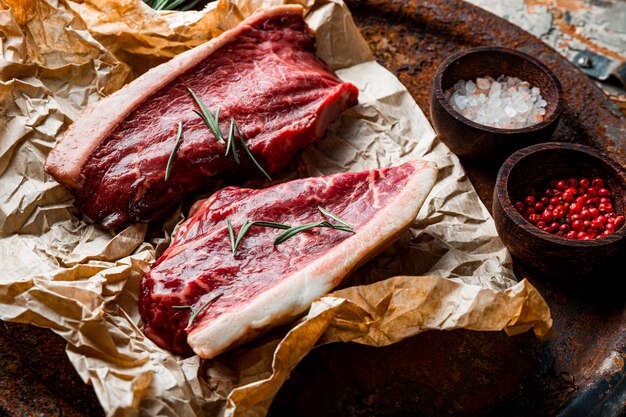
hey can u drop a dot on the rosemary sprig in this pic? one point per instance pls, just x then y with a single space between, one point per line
181 5
247 225
245 148
292 231
212 123
295 230
231 140
179 134
231 234
194 313
205 114
332 216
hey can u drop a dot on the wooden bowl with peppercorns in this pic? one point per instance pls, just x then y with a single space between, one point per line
463 130
559 208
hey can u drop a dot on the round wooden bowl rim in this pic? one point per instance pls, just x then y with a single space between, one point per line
509 210
440 97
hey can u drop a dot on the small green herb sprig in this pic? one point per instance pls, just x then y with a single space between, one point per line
181 5
194 313
179 134
212 121
289 232
234 134
234 243
292 231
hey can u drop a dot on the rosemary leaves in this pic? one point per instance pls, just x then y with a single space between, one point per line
168 168
290 231
194 313
212 122
181 5
247 150
246 226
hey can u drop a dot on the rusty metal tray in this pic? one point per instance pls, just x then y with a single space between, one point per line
579 371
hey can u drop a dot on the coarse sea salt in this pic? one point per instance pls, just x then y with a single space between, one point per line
506 103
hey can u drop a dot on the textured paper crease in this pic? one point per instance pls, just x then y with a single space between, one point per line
58 270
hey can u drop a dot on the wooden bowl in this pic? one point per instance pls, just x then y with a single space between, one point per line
471 140
551 254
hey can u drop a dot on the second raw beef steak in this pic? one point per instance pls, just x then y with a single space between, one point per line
222 281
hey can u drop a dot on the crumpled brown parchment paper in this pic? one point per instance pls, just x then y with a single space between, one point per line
80 280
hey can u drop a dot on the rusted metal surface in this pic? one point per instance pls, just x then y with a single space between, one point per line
571 26
578 371
412 39
37 379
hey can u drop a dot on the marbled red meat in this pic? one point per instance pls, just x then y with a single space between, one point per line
263 73
263 284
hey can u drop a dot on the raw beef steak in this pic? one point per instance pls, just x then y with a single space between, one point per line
263 73
239 296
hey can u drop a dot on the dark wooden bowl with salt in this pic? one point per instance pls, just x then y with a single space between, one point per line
551 254
475 141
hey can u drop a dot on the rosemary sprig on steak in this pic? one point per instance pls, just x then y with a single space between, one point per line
290 231
194 313
230 144
179 134
212 122
245 148
335 218
231 235
205 114
247 225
